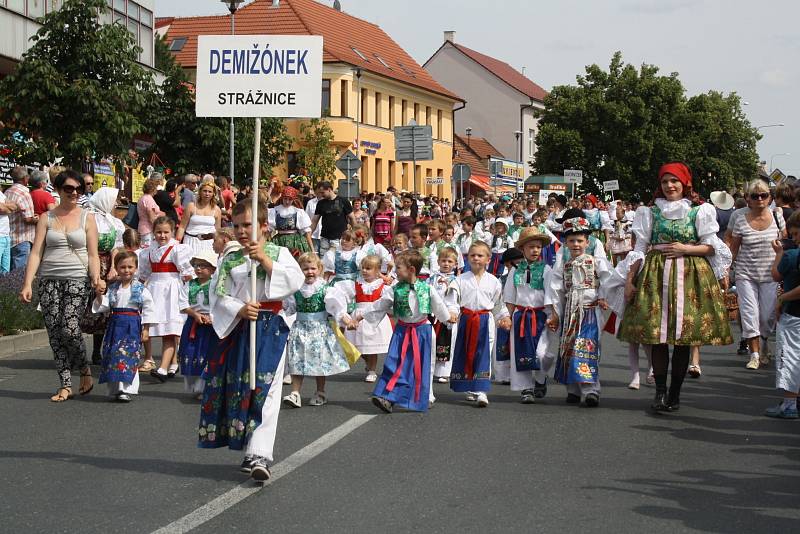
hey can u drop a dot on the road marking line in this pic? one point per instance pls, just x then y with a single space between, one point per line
244 490
3 378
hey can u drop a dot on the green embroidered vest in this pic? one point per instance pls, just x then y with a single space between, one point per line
313 303
679 230
195 288
402 308
536 271
106 242
236 258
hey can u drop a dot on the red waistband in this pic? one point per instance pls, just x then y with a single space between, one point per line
125 313
274 306
530 308
534 324
467 311
413 325
166 267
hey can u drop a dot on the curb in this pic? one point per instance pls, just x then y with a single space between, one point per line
35 339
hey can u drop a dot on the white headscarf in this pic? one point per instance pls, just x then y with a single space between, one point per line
104 199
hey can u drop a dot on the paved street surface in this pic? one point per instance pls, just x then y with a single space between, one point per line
718 465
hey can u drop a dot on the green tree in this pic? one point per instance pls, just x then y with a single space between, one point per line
624 123
79 91
187 143
317 154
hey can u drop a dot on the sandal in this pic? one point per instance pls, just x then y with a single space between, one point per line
60 397
147 366
84 374
694 371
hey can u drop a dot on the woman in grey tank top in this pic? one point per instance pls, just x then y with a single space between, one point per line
64 254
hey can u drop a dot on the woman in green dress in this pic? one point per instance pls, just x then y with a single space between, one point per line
291 224
672 293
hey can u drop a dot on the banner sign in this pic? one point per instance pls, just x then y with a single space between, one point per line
259 76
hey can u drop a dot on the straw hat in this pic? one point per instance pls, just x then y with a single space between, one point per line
722 199
531 234
207 256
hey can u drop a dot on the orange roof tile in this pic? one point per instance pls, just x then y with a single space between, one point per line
504 71
476 154
163 21
340 32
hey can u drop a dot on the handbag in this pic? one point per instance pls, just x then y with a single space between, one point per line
351 353
131 218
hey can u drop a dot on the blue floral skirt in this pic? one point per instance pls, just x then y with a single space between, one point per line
312 348
230 411
197 340
578 363
478 378
121 346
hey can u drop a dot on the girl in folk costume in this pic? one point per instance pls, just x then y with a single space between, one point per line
548 252
407 376
342 264
353 303
131 307
198 339
576 293
440 282
312 348
675 299
620 239
479 296
291 224
368 247
231 413
469 236
201 219
165 264
500 242
599 220
524 294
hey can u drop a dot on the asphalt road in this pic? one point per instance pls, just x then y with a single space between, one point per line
718 465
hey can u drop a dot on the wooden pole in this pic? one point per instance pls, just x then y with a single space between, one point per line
254 239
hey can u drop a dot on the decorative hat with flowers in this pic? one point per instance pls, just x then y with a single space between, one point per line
576 225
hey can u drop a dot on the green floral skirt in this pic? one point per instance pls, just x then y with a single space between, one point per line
296 243
651 319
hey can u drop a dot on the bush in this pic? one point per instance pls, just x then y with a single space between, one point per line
15 316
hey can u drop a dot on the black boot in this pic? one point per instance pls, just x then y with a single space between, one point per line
660 401
674 400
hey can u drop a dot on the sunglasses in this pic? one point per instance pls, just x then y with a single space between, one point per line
88 183
69 189
759 196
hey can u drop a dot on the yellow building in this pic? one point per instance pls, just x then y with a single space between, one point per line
370 85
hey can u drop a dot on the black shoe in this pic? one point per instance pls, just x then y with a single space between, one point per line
171 373
540 390
573 399
592 400
247 464
673 402
259 470
528 397
742 351
158 376
660 403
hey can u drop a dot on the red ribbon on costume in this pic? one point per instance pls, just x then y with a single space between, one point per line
164 267
125 313
274 306
473 326
611 324
193 330
534 324
410 336
373 297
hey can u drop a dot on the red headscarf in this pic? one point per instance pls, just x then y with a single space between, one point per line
289 192
681 172
591 198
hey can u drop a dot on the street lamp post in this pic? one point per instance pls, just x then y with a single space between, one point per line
770 126
772 158
233 6
518 136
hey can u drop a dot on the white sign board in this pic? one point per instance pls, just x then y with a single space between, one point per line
434 181
611 185
572 176
544 194
520 187
259 76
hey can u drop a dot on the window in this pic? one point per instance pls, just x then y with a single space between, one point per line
16 5
391 112
133 11
133 27
405 69
531 142
359 53
36 8
364 172
404 112
146 42
326 98
393 175
344 97
416 113
363 115
177 44
406 179
383 62
146 17
379 185
438 125
119 5
427 114
378 105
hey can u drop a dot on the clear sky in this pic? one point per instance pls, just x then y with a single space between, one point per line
751 48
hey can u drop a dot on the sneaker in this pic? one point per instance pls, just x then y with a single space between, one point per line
482 400
592 400
779 412
742 350
293 399
319 399
528 397
442 379
383 404
123 397
754 362
371 377
540 390
259 470
471 397
287 380
247 464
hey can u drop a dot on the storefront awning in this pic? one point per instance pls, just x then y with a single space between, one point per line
480 181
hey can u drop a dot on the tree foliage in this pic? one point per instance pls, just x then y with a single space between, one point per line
78 91
317 154
187 143
623 124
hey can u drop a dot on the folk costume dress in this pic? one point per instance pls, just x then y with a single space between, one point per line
291 226
525 290
599 222
440 282
407 376
163 268
499 244
130 308
312 348
371 248
342 263
350 299
197 340
574 289
231 414
480 304
678 301
200 232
